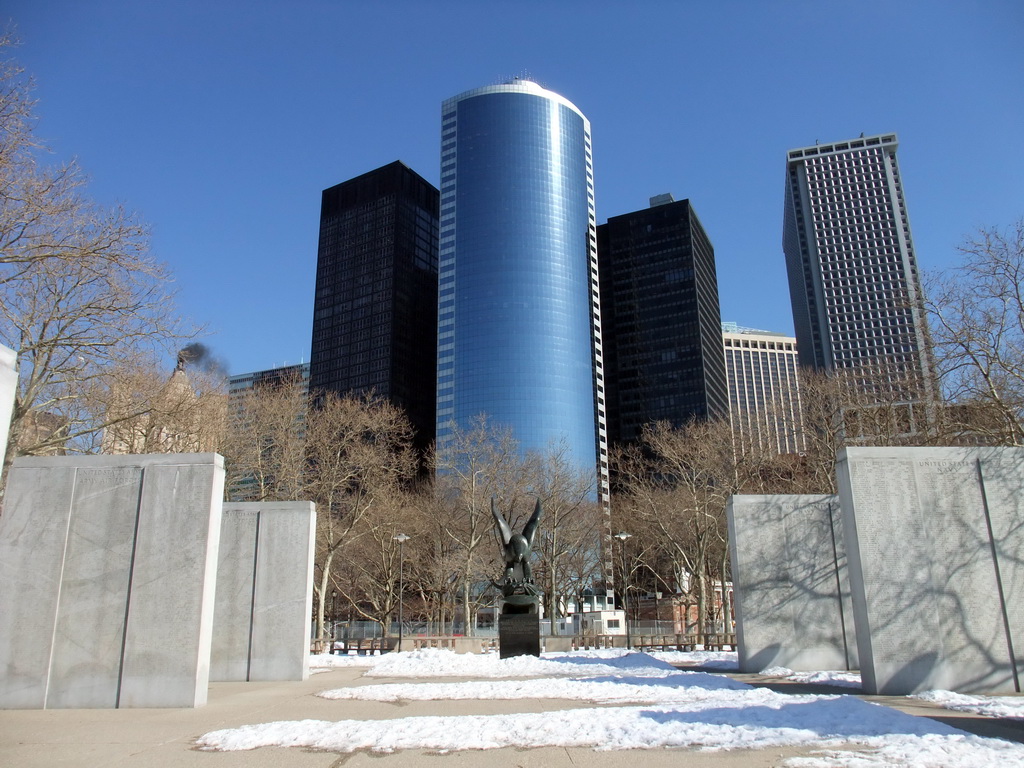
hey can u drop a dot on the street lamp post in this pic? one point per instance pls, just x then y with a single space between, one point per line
622 536
401 538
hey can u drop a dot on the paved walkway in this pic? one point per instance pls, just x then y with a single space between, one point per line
164 738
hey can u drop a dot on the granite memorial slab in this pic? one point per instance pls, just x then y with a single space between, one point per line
8 390
791 585
264 592
935 537
108 565
518 634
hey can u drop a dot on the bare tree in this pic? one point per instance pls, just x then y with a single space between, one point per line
480 463
358 451
868 405
433 558
674 485
81 299
821 400
369 581
147 411
74 323
44 214
265 449
16 107
570 529
678 481
352 456
977 318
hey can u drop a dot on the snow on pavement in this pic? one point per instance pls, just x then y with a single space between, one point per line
726 661
430 662
670 688
991 706
670 709
834 677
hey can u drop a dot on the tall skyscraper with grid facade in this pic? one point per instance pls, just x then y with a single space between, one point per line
764 387
375 307
518 315
853 275
662 324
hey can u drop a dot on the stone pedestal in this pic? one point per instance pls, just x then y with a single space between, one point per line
935 537
108 567
519 634
468 645
264 592
791 585
8 388
554 644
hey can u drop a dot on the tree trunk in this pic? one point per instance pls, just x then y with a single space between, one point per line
552 606
325 579
467 627
702 602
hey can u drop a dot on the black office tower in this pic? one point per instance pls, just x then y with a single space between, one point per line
660 317
375 309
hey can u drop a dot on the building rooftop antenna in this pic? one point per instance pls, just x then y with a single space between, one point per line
523 74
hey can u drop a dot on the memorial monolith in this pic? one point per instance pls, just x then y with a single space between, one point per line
108 566
8 389
934 537
791 585
264 592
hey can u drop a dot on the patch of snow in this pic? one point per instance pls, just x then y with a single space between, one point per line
668 688
727 661
672 708
777 672
775 720
326 661
992 706
832 677
433 662
927 751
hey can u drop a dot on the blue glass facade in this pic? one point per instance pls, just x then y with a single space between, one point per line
518 321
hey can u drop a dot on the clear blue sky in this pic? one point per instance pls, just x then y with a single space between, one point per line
220 122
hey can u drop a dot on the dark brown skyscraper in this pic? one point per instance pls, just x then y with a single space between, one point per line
662 325
375 309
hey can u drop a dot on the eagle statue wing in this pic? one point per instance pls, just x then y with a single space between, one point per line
506 532
531 526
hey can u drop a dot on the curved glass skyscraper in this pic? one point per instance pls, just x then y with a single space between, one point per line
518 315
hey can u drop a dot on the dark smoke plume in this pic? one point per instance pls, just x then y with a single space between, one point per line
200 357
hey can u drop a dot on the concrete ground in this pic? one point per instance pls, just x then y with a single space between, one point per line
165 738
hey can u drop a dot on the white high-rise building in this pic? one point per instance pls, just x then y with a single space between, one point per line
761 368
853 275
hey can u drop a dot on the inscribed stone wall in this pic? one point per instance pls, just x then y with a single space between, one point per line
935 537
108 568
8 388
790 581
264 592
